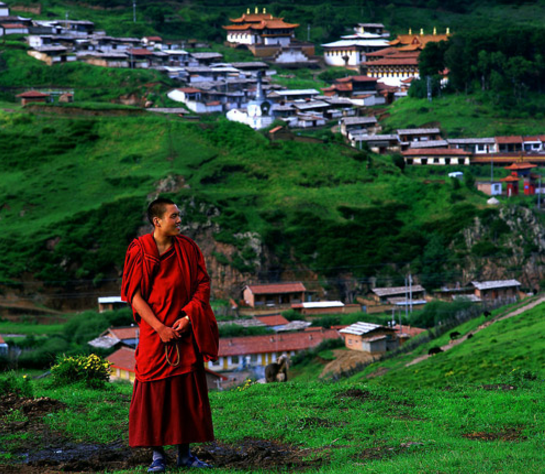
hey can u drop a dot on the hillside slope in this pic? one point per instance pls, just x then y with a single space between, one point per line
73 190
508 347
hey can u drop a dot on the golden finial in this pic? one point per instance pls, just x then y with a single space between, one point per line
256 10
264 11
447 31
248 11
435 31
422 31
410 31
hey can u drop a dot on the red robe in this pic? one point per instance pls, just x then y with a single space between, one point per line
179 283
170 405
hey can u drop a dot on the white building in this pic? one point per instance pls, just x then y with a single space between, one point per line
351 52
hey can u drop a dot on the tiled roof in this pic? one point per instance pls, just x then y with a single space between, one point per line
140 52
189 90
275 288
32 94
357 79
520 166
123 358
510 139
436 152
14 26
509 179
407 61
276 343
276 320
412 331
125 333
466 141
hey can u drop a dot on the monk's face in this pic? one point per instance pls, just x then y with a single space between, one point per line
170 223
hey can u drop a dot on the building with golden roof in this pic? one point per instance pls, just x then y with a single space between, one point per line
400 60
267 36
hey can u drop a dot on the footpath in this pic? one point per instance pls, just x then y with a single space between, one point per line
506 315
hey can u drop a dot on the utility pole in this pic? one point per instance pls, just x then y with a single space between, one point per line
406 301
134 7
429 88
410 294
308 36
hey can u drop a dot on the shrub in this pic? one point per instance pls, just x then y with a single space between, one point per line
90 370
12 383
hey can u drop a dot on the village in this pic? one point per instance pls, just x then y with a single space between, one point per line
382 72
245 92
264 305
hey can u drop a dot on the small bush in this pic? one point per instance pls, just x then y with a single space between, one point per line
12 383
90 370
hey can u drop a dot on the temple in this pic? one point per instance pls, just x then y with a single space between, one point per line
400 61
268 37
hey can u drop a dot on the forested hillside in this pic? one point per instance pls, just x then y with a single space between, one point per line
76 179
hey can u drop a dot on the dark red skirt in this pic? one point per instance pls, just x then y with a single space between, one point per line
170 411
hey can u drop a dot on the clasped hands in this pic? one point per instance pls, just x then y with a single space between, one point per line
177 331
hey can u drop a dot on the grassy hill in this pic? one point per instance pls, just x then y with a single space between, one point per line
73 189
488 416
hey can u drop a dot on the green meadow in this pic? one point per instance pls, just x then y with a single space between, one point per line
487 416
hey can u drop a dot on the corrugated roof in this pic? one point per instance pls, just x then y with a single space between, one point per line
358 120
360 328
275 343
429 144
275 288
397 290
417 131
436 152
488 285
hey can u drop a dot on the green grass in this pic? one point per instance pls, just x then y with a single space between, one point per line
458 115
509 348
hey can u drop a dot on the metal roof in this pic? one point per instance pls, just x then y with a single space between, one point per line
360 328
397 290
487 285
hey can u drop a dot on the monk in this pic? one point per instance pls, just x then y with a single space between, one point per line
166 283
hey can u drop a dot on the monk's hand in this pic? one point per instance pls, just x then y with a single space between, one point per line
182 325
168 334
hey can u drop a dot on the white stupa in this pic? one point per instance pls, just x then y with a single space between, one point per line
257 115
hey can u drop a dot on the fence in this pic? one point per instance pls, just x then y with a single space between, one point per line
433 333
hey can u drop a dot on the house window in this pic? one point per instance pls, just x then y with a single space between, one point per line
216 363
253 358
235 360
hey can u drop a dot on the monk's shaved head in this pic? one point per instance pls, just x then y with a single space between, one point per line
157 208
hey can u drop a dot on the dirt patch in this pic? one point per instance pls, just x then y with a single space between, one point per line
49 452
509 434
260 454
346 361
314 422
358 394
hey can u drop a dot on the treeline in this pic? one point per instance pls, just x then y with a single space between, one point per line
506 65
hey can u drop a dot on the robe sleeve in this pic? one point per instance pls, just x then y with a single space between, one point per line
203 322
133 275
